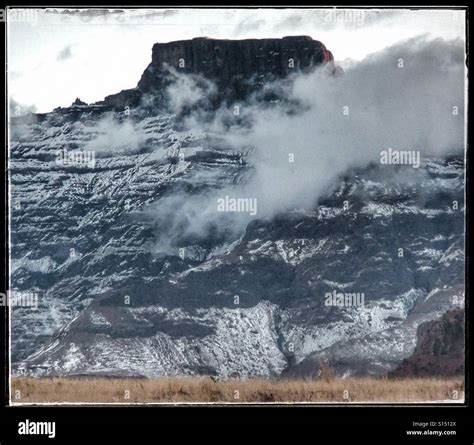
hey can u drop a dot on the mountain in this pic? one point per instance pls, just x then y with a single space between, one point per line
114 301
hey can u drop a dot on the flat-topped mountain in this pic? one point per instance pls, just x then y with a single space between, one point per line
237 67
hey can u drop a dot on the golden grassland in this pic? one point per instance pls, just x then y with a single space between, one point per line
204 390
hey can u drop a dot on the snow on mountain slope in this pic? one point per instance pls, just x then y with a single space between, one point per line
80 240
128 288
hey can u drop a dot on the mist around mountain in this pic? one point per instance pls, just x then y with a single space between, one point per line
249 209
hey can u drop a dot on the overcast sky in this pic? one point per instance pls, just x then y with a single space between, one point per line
57 55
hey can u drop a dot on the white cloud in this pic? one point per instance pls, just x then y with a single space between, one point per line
389 106
187 90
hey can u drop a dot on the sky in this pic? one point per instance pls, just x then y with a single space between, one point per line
56 55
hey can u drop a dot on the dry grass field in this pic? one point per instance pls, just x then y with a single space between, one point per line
203 390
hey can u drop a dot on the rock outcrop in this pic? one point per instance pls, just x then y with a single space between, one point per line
78 103
238 67
439 350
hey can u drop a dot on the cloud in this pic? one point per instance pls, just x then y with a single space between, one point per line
409 108
159 14
65 53
18 109
325 19
383 16
248 25
118 16
291 21
15 75
337 18
187 90
84 13
111 137
400 98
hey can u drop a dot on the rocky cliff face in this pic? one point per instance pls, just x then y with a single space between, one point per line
109 305
439 350
237 67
